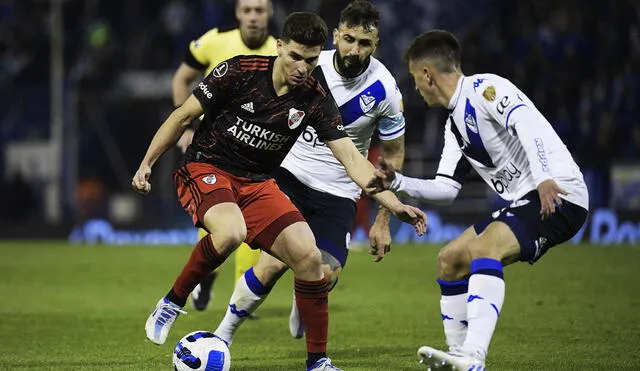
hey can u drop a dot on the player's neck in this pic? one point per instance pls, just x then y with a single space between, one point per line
448 83
280 85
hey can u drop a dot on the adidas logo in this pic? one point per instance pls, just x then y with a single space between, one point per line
248 107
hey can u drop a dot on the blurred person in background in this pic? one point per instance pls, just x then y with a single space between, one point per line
317 183
250 38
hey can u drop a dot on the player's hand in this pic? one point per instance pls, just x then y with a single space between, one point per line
413 216
549 193
383 176
380 240
185 140
140 182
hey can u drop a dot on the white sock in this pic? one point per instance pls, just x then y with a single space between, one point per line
453 308
247 296
486 295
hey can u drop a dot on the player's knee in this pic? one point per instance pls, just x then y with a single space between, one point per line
331 273
309 260
453 264
227 241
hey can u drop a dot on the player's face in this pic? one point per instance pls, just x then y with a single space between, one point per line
354 46
298 61
253 16
424 81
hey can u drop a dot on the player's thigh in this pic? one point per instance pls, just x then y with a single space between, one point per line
533 235
267 212
206 195
497 241
295 246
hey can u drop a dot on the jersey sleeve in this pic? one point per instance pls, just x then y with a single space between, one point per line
216 86
453 164
327 120
516 113
391 124
197 56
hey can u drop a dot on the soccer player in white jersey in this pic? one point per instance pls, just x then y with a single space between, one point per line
494 128
369 101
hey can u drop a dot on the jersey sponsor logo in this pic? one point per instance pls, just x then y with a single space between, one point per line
295 118
501 107
309 135
359 106
209 179
221 69
504 177
248 107
202 86
489 93
367 102
542 154
256 136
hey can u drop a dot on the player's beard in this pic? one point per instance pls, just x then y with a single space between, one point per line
349 66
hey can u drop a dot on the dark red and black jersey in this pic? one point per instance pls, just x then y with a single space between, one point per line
247 129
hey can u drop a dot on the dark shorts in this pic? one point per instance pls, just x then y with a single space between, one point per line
330 217
266 210
537 236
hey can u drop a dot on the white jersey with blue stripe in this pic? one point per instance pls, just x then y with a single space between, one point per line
369 102
496 128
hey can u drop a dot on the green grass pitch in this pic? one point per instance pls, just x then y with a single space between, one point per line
83 308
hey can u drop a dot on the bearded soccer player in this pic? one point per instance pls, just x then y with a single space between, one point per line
369 102
494 128
215 46
225 184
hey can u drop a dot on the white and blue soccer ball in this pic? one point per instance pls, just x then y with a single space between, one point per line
201 351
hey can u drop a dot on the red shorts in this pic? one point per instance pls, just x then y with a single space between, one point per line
266 210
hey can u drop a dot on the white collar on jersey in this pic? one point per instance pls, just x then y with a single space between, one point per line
456 94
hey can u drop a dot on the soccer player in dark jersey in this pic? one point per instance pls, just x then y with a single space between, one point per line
255 109
215 46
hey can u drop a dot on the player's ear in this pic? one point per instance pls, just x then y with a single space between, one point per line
336 35
279 45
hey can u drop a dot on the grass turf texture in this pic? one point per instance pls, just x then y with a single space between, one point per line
83 308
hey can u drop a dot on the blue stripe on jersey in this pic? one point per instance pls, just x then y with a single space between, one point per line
506 125
362 103
476 149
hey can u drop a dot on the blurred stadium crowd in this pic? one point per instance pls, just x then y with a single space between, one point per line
578 60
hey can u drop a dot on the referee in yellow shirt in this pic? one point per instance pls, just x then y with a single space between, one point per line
250 38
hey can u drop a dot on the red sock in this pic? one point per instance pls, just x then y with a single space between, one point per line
312 298
204 259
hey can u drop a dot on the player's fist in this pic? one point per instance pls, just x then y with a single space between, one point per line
382 177
140 182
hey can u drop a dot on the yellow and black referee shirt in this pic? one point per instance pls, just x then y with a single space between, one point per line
214 47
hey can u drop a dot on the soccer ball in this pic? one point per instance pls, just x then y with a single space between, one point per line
201 351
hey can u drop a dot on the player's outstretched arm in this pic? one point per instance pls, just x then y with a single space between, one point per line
359 169
438 191
165 137
379 233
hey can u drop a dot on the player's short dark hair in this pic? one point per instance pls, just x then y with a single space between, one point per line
440 47
305 28
360 13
